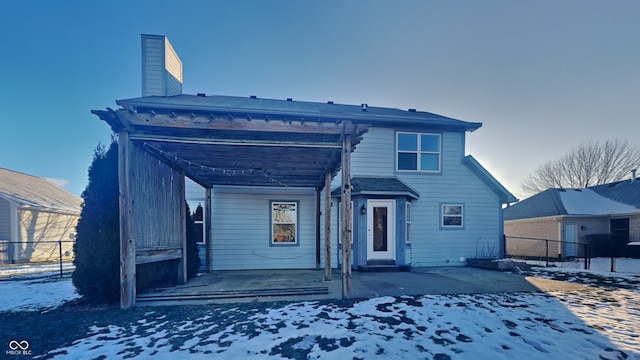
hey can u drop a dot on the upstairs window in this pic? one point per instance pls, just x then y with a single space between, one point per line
418 152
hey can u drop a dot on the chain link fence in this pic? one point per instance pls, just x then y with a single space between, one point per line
548 252
35 257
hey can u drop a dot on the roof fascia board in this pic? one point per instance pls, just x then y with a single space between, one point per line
486 177
365 117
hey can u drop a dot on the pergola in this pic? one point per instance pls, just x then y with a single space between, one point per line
221 140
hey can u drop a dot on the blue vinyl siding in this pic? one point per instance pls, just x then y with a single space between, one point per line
431 245
241 229
241 215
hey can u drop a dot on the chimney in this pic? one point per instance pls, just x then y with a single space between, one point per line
161 67
633 175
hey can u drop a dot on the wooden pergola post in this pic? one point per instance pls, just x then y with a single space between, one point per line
347 215
327 226
207 229
318 230
182 266
127 240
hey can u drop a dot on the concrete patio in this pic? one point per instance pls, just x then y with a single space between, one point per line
302 285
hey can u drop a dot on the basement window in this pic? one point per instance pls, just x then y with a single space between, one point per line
284 222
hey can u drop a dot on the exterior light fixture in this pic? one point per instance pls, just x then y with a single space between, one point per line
363 209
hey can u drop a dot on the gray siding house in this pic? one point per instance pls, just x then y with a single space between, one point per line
34 215
417 199
268 168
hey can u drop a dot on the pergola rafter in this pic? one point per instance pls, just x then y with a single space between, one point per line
158 145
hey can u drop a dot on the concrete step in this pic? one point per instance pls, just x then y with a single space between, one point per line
231 294
384 268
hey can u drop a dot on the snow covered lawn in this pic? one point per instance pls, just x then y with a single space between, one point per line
600 323
35 294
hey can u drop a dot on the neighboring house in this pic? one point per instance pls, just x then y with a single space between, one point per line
34 215
571 216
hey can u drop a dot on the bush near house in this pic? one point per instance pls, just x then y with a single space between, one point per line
97 247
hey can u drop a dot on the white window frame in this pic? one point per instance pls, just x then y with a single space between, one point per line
419 152
443 215
273 241
407 216
204 239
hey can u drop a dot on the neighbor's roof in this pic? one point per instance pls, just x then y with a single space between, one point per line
311 111
30 191
625 191
390 186
576 202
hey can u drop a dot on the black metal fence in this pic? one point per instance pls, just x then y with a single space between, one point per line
28 257
546 250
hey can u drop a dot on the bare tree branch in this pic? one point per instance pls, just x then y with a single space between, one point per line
589 164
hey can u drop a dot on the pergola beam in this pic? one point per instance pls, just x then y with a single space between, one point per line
212 121
206 141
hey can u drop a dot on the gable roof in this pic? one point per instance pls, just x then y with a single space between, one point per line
482 173
576 202
295 110
34 192
229 140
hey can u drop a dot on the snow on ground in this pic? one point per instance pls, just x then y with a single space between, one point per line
599 323
600 266
498 326
34 270
35 294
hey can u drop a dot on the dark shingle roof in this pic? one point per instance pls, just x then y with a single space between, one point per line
624 191
546 203
302 109
30 191
580 202
378 186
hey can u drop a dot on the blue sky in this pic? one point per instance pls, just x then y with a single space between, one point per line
542 76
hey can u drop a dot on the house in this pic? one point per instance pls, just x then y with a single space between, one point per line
572 216
34 215
268 167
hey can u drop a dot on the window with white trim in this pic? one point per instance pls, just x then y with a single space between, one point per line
418 152
452 216
408 223
198 221
284 222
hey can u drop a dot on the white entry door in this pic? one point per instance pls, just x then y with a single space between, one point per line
571 249
381 230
